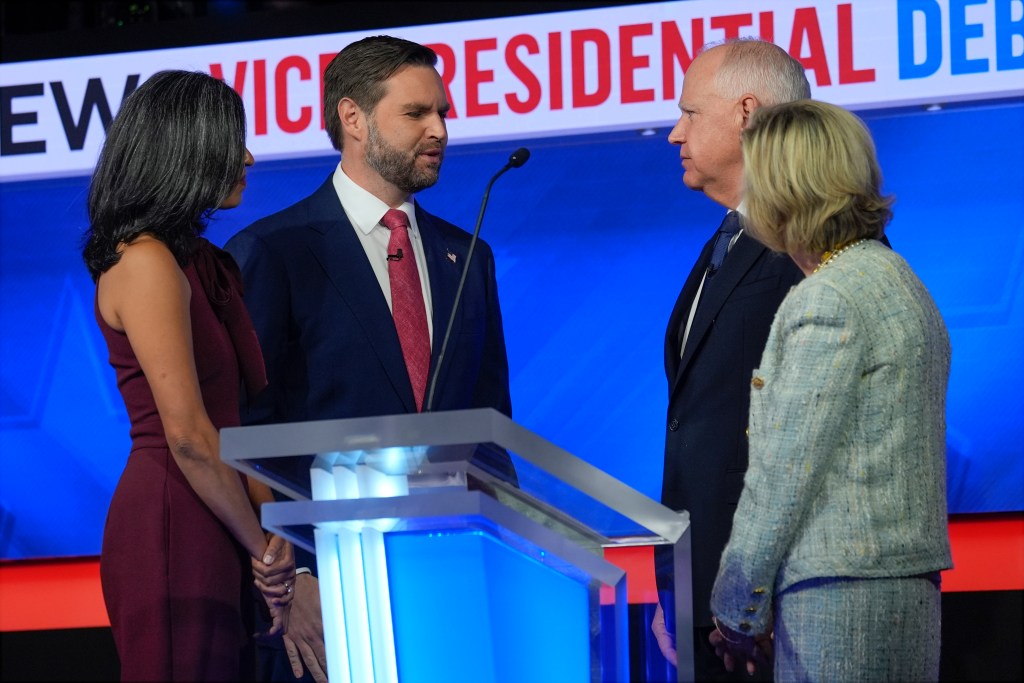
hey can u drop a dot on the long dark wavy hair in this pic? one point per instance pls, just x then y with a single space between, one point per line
173 154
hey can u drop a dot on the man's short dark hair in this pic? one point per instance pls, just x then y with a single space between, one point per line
359 72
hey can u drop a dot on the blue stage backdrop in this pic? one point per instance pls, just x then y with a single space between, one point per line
593 239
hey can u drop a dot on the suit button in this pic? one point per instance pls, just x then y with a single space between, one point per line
745 626
757 382
673 425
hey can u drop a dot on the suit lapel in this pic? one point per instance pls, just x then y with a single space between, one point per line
338 250
444 273
741 257
677 320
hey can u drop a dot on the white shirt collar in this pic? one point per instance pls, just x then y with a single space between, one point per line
364 209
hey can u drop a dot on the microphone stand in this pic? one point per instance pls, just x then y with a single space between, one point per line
517 159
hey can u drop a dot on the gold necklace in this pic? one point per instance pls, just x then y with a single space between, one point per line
830 256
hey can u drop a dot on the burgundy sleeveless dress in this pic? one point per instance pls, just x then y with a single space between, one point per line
177 586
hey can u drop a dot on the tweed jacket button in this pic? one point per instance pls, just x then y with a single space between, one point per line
745 626
673 425
759 591
757 382
751 610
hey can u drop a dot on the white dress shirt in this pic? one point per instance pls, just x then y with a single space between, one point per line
364 212
700 290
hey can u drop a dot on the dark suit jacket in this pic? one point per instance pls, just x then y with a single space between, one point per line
709 395
328 337
326 331
327 334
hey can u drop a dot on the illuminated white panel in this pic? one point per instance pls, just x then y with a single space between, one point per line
331 605
378 600
356 612
322 485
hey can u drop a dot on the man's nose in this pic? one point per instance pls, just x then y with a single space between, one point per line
678 134
438 128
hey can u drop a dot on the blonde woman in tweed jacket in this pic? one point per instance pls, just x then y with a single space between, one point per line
840 532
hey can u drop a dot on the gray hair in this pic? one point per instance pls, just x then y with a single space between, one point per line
760 68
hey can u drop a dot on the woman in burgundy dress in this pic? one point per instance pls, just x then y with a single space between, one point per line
182 546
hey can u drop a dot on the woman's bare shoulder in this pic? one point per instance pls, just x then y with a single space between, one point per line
146 270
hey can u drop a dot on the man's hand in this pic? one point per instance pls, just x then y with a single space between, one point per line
279 616
666 640
735 648
304 641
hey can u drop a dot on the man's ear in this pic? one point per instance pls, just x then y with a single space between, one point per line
747 105
353 120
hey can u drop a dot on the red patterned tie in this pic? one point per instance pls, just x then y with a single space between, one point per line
407 303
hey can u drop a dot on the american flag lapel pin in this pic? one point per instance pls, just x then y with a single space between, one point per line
451 257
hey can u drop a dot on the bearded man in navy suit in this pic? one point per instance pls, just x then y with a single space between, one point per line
317 280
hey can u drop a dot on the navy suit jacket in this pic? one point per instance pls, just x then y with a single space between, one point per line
326 330
709 395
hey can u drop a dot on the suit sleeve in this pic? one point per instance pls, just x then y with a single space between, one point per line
267 298
809 374
492 390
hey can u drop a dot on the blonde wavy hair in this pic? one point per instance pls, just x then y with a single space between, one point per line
812 181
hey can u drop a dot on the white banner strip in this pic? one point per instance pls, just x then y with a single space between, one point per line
540 75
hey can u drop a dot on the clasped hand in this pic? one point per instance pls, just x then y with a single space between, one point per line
274 576
734 647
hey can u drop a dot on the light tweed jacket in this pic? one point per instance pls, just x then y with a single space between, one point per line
847 472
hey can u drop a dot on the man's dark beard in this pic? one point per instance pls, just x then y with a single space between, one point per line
395 166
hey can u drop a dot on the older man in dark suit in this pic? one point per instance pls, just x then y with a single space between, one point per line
720 323
351 289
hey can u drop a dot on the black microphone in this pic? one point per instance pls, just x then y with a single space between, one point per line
517 159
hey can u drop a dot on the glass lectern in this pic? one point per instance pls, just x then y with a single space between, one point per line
460 546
